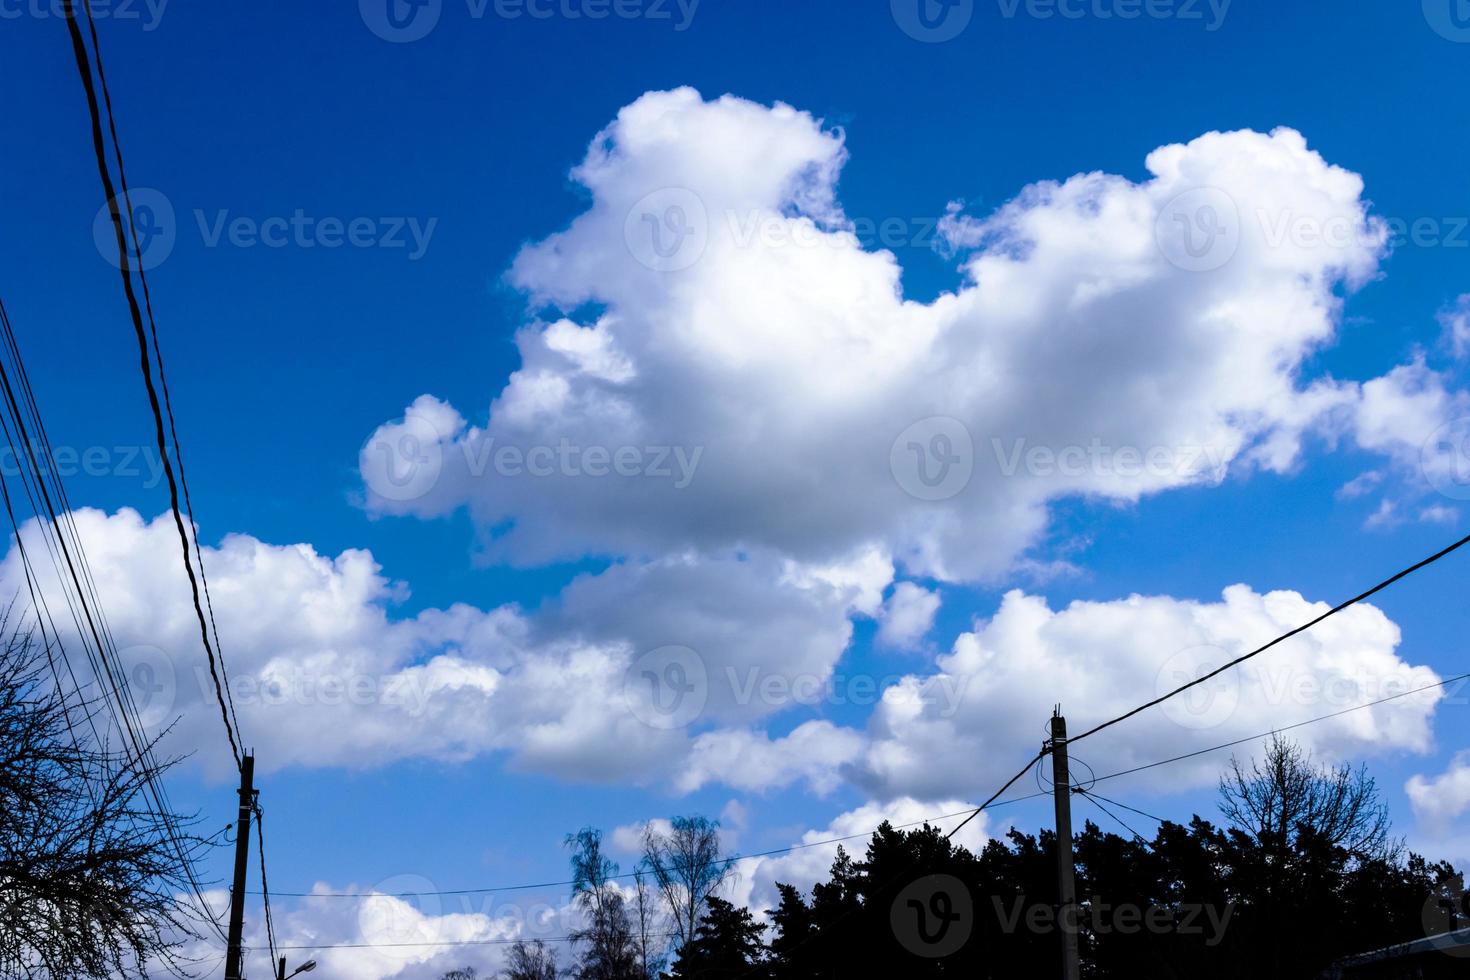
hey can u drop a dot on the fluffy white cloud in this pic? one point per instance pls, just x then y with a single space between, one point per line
746 621
1102 658
814 752
1440 800
1398 413
907 615
726 393
725 389
323 673
1440 803
754 379
629 837
386 933
754 880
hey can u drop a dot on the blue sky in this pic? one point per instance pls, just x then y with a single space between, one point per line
284 361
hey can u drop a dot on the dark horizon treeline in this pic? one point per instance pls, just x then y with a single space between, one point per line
1301 872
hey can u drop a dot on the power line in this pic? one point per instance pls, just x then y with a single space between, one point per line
122 177
1125 806
265 891
79 50
69 559
970 815
774 852
1009 783
1119 819
990 804
1282 638
1287 728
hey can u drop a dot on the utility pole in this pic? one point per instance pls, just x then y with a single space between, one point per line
281 969
1067 911
233 957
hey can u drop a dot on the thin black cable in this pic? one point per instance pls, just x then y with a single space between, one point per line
1282 638
163 450
559 884
1042 780
79 50
265 891
104 659
1286 728
44 440
1141 838
1009 783
1125 806
122 179
37 601
62 526
927 820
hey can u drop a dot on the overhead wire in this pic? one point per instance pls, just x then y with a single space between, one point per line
122 179
265 891
1082 791
79 50
1361 597
58 532
1095 802
992 804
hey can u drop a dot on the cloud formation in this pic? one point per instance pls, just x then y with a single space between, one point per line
1100 659
717 362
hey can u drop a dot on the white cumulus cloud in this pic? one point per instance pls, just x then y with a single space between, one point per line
753 377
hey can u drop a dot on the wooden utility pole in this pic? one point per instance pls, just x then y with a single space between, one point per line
233 956
1067 910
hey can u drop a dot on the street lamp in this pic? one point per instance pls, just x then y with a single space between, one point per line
306 967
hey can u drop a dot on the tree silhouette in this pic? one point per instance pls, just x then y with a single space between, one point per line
686 866
1301 872
90 871
611 950
727 944
530 961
